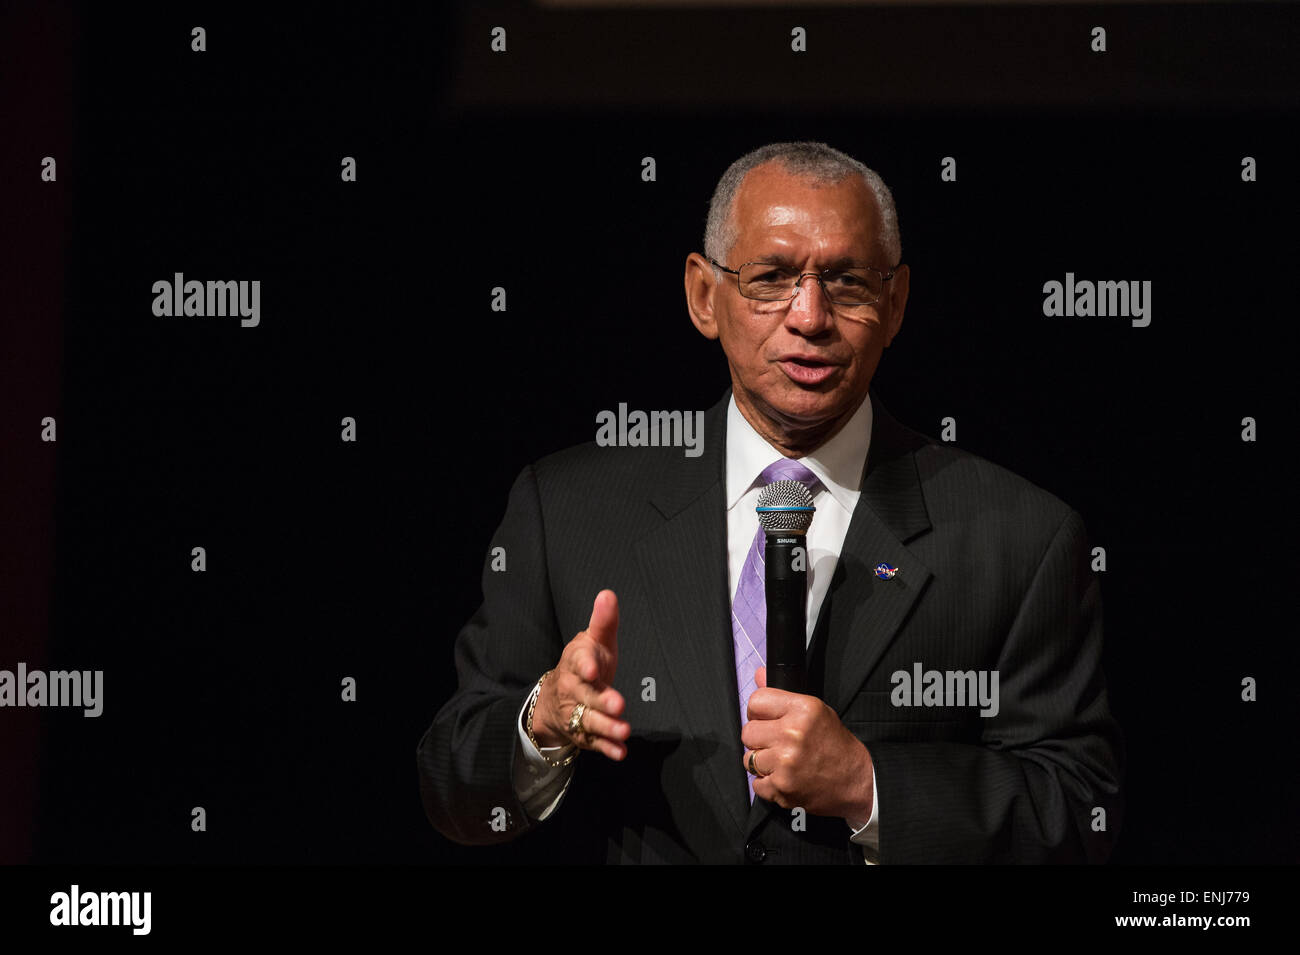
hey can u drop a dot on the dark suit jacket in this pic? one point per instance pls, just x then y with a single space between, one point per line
994 574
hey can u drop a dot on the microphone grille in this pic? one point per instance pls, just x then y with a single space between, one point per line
795 501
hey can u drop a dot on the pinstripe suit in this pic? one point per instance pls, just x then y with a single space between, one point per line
993 574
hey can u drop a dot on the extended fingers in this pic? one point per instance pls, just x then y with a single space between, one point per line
603 626
587 661
579 681
605 734
599 727
596 723
592 729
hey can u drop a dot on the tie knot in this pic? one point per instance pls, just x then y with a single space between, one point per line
788 469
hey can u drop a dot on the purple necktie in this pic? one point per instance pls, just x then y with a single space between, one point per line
749 609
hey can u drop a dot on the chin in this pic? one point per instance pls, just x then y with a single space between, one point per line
807 406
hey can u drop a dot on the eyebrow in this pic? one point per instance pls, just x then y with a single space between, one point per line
843 262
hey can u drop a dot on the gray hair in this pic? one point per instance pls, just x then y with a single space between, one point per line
817 162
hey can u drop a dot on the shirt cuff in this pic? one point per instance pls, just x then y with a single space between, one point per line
539 785
868 836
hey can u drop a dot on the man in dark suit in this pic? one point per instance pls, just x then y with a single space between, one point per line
925 562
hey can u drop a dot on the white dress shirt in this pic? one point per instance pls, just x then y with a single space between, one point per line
839 464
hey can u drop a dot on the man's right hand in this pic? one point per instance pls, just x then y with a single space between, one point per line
583 675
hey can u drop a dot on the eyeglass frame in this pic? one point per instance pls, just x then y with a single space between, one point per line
798 282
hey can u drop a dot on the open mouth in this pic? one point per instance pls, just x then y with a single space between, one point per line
806 371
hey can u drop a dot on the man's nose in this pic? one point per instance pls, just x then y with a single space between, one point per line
809 310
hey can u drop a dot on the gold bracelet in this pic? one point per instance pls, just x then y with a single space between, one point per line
532 705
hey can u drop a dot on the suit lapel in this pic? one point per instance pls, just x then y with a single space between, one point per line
861 613
685 559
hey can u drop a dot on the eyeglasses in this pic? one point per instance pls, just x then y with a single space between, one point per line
768 282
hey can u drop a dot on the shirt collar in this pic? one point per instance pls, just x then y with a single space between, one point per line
839 463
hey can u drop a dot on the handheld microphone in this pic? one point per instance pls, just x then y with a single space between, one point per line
785 510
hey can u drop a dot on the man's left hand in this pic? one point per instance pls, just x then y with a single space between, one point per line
806 757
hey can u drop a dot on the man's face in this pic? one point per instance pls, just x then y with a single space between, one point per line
802 367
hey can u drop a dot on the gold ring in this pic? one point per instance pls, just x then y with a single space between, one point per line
753 767
575 720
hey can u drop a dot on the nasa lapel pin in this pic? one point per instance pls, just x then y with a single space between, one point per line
885 572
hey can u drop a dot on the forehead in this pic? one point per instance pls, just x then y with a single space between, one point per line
779 212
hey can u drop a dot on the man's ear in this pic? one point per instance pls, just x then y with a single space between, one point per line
700 287
898 289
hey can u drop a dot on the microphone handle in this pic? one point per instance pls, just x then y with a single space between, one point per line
785 581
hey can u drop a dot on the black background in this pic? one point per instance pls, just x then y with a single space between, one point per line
523 170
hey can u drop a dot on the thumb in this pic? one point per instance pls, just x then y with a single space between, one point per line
603 627
760 676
